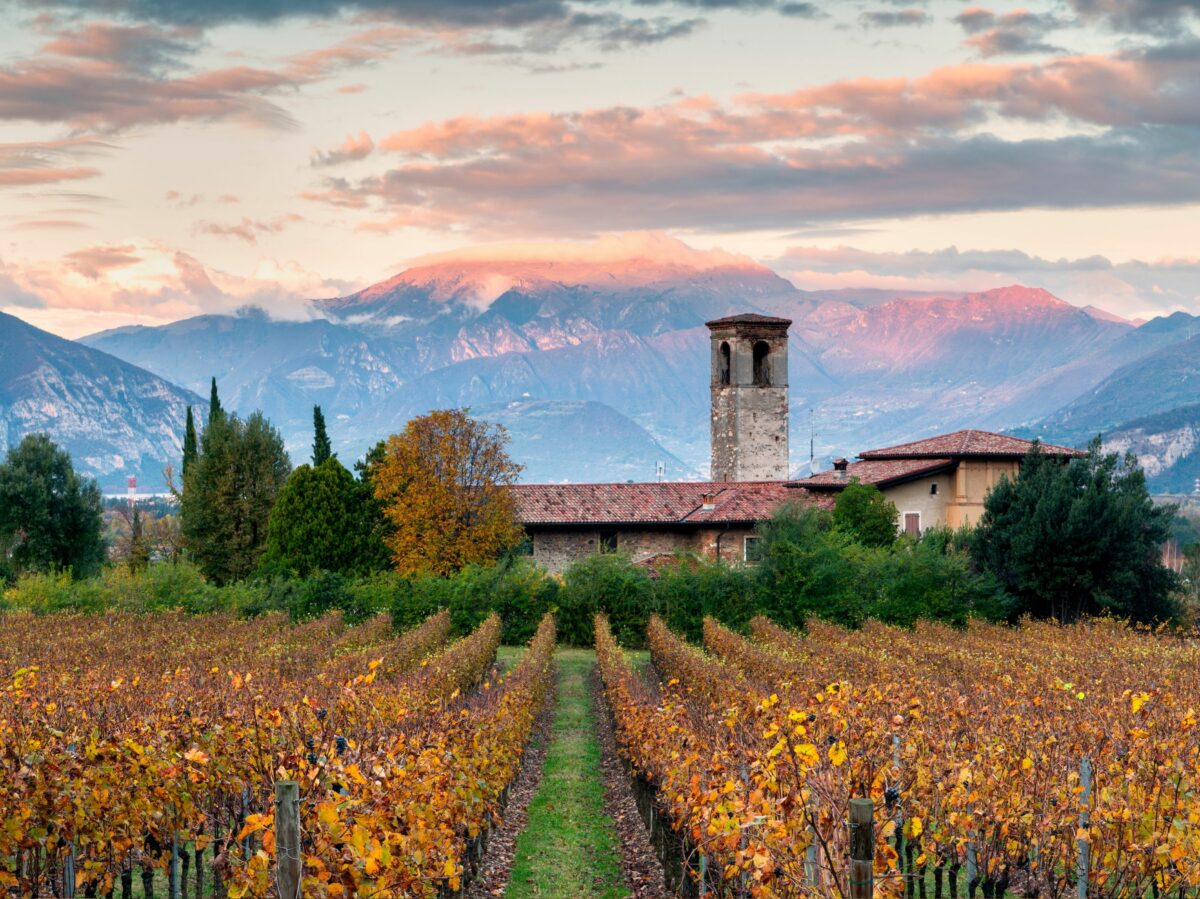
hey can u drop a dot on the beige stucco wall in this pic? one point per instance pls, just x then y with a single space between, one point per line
972 482
917 496
960 495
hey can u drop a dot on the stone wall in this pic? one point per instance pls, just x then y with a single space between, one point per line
749 427
555 550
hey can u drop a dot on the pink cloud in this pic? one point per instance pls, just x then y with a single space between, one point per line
46 162
249 229
352 149
853 148
106 78
95 262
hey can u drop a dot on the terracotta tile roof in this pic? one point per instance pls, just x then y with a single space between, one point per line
749 318
966 443
674 502
880 472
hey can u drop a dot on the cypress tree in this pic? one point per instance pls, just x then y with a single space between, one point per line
189 442
321 448
214 403
231 489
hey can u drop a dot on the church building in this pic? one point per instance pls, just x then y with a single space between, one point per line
939 481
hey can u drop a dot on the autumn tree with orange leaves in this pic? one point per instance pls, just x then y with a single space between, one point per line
444 484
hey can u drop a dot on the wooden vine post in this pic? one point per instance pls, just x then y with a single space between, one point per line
1084 841
289 862
862 848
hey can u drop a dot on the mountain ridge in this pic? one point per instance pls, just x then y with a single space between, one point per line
116 419
866 366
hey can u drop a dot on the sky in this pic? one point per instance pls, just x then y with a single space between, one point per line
166 158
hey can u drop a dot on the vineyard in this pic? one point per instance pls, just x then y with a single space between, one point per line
145 755
151 745
1047 761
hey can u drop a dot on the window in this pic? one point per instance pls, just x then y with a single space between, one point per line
723 364
933 489
752 549
912 524
608 541
762 367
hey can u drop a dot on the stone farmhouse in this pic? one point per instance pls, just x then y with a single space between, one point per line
939 481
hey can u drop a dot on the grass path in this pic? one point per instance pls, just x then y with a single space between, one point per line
569 847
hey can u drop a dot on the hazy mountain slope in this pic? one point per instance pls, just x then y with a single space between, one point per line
1167 446
1049 392
280 367
1160 381
114 418
557 440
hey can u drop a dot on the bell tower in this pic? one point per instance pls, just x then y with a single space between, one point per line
749 398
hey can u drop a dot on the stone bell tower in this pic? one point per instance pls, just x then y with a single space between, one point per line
749 398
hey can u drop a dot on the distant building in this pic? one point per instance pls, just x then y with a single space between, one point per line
939 481
713 519
749 387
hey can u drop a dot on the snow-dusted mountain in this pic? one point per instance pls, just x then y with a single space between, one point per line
613 333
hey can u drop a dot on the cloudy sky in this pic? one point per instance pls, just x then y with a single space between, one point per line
160 158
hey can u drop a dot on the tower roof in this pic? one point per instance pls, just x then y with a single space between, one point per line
750 318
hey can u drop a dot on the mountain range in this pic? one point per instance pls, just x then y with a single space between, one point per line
117 420
598 363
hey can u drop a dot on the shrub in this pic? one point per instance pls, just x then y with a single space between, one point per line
605 583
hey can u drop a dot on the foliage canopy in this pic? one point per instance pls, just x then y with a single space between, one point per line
444 484
49 516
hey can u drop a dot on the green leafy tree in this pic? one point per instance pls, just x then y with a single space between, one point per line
931 579
1066 540
808 568
320 523
321 447
862 512
190 446
229 492
50 517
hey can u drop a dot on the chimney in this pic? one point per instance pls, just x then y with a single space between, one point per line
708 501
840 467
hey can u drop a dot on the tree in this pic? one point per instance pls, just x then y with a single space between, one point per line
1066 540
808 567
190 447
214 403
229 492
50 518
372 507
319 523
444 484
862 512
321 448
